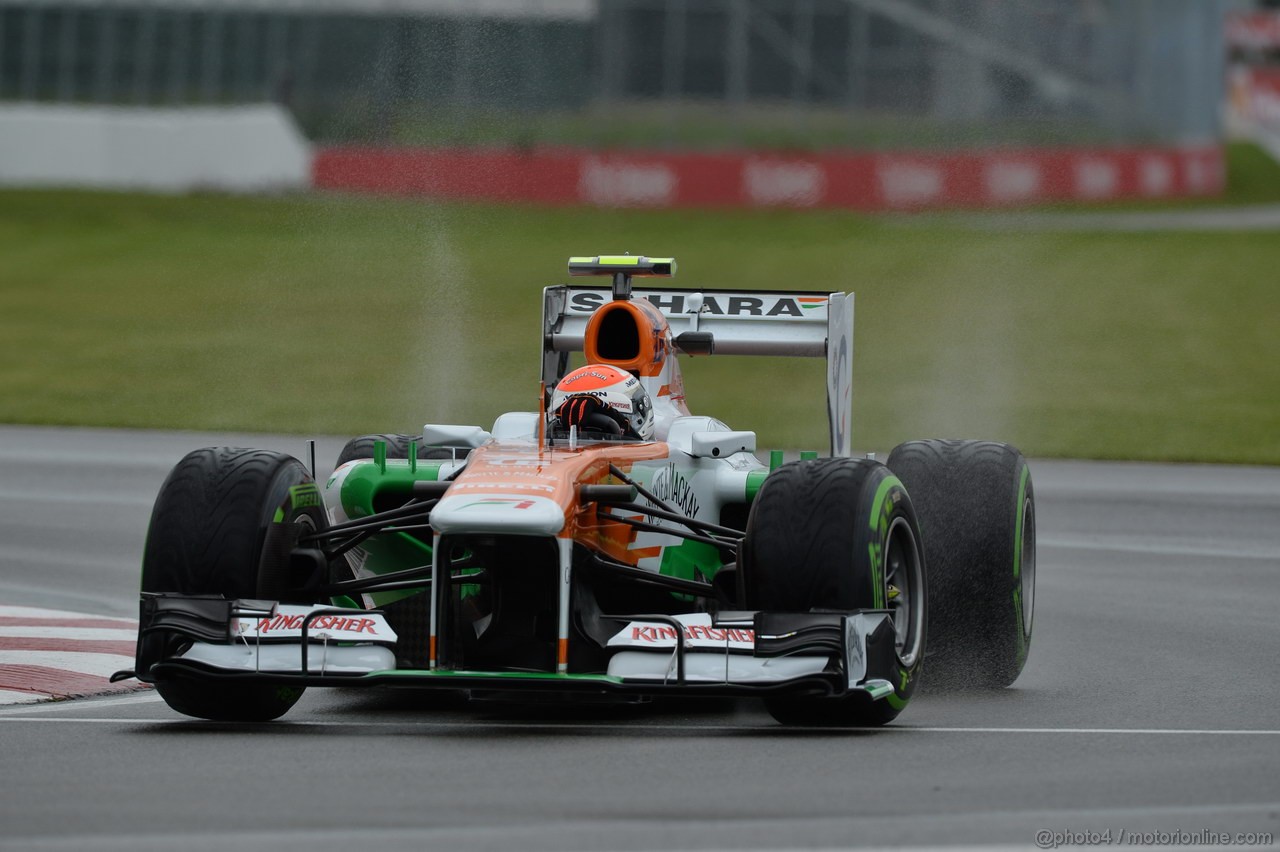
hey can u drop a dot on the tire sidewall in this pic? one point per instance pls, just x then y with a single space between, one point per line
1024 534
292 508
887 502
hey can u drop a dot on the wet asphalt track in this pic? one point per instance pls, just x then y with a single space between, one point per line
1151 702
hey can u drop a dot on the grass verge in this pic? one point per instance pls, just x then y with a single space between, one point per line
343 315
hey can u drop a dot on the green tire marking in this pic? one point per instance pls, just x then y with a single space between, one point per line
1022 639
879 526
304 495
1017 540
1017 561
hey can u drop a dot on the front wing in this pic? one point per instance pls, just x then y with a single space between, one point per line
821 653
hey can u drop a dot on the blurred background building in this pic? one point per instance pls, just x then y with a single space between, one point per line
1015 101
794 74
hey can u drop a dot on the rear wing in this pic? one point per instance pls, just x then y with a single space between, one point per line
741 322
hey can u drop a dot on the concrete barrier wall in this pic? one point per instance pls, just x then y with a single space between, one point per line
257 148
888 181
234 149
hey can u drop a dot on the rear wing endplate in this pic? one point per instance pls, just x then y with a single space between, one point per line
741 322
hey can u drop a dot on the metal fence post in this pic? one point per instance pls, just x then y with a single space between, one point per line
179 55
802 73
242 36
67 54
105 66
277 78
736 57
855 56
383 82
531 87
611 40
31 36
211 65
3 10
309 63
673 52
464 48
144 48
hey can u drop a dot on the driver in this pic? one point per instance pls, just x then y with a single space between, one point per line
605 399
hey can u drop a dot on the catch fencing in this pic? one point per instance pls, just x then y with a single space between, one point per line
673 74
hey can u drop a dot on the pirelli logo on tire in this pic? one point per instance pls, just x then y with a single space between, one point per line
304 496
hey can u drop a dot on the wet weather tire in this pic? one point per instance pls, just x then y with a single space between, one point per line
839 534
976 507
224 523
397 448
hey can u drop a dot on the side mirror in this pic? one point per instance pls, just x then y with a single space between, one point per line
516 424
696 343
440 435
717 445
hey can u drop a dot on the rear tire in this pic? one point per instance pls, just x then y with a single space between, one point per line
397 448
977 512
224 523
839 533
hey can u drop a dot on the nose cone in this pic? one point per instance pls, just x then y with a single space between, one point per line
513 514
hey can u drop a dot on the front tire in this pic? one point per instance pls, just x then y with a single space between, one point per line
841 534
977 511
224 523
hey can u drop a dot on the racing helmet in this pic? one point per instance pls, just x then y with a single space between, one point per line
604 398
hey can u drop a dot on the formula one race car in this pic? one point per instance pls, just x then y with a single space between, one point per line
610 543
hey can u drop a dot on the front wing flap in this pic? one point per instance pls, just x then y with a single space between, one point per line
830 653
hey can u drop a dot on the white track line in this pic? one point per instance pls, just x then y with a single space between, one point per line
36 612
15 696
72 633
82 633
1159 549
590 726
1133 731
98 499
85 703
81 662
488 837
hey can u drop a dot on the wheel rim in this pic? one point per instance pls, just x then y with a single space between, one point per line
283 579
905 574
1027 571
